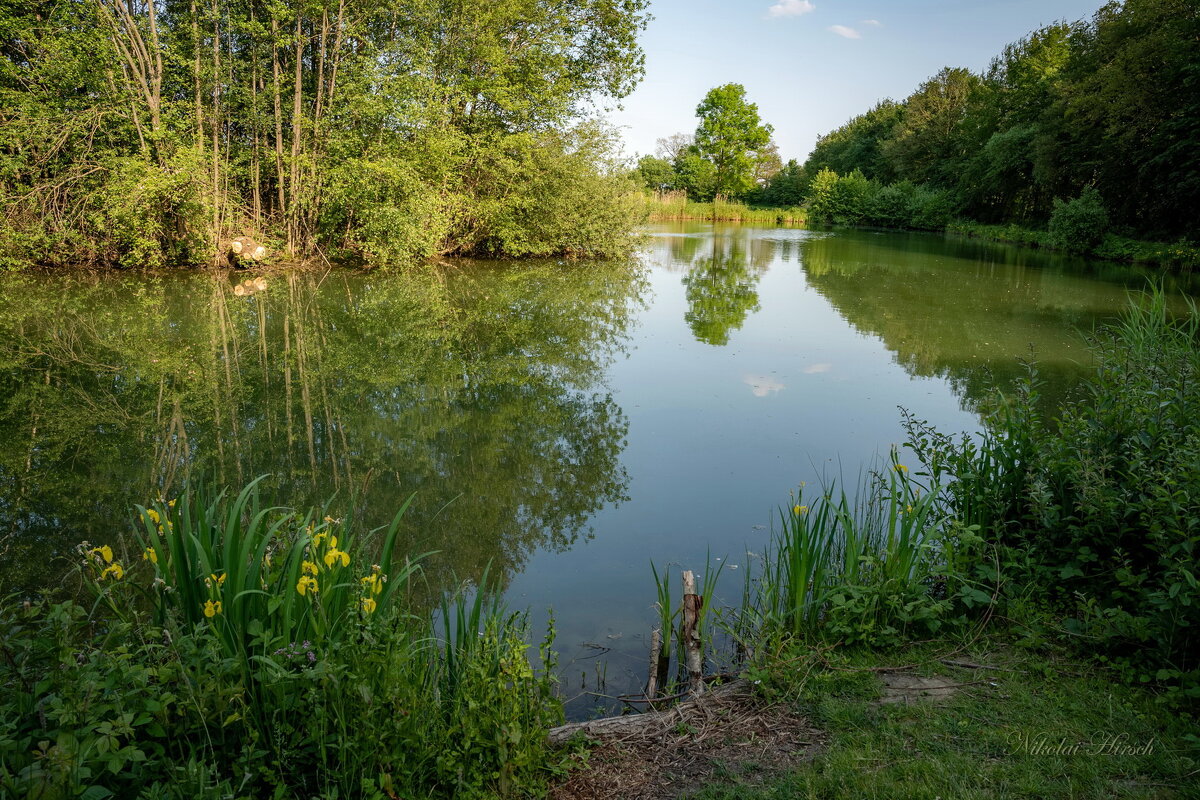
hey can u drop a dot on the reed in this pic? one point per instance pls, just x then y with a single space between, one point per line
675 206
857 569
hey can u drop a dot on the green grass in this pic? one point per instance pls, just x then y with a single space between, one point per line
674 206
1000 736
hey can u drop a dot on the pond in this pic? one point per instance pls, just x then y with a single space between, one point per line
565 423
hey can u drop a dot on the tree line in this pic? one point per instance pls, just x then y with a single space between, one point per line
144 132
1086 126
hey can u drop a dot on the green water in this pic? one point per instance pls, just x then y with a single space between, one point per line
564 422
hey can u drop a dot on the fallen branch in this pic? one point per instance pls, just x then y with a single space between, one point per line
641 723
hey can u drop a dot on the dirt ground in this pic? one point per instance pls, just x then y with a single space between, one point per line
731 735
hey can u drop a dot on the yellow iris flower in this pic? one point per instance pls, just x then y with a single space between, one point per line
104 552
369 605
212 608
335 555
307 584
150 555
115 570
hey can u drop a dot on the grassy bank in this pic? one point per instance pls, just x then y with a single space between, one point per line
674 206
1179 255
1005 717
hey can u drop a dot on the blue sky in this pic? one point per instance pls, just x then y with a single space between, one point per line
810 65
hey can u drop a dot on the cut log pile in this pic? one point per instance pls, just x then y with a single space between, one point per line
244 249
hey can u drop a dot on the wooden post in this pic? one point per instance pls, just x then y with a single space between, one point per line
655 647
693 648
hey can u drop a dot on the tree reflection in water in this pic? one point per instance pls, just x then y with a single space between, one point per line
480 390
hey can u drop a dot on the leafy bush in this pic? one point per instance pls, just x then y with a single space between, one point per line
1102 516
382 210
146 215
1079 225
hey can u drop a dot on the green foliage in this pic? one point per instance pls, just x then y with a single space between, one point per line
146 215
675 206
550 180
785 188
656 174
385 211
146 135
854 200
730 136
859 144
1079 225
696 175
1100 515
876 571
252 651
823 196
1107 104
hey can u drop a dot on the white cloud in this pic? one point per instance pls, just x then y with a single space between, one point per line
762 385
790 8
873 23
843 31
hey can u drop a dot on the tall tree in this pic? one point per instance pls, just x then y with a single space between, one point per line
731 136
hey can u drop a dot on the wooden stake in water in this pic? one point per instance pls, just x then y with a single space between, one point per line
655 649
693 648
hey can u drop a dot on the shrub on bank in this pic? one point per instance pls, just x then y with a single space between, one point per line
1101 516
254 652
1079 225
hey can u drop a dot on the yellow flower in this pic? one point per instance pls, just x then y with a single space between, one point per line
218 579
901 468
317 539
308 568
104 552
373 583
334 555
212 608
908 510
172 503
153 515
114 569
369 605
799 510
150 555
307 584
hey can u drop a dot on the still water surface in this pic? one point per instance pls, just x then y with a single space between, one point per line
566 423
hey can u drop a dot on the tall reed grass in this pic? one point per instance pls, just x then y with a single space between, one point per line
867 570
675 206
